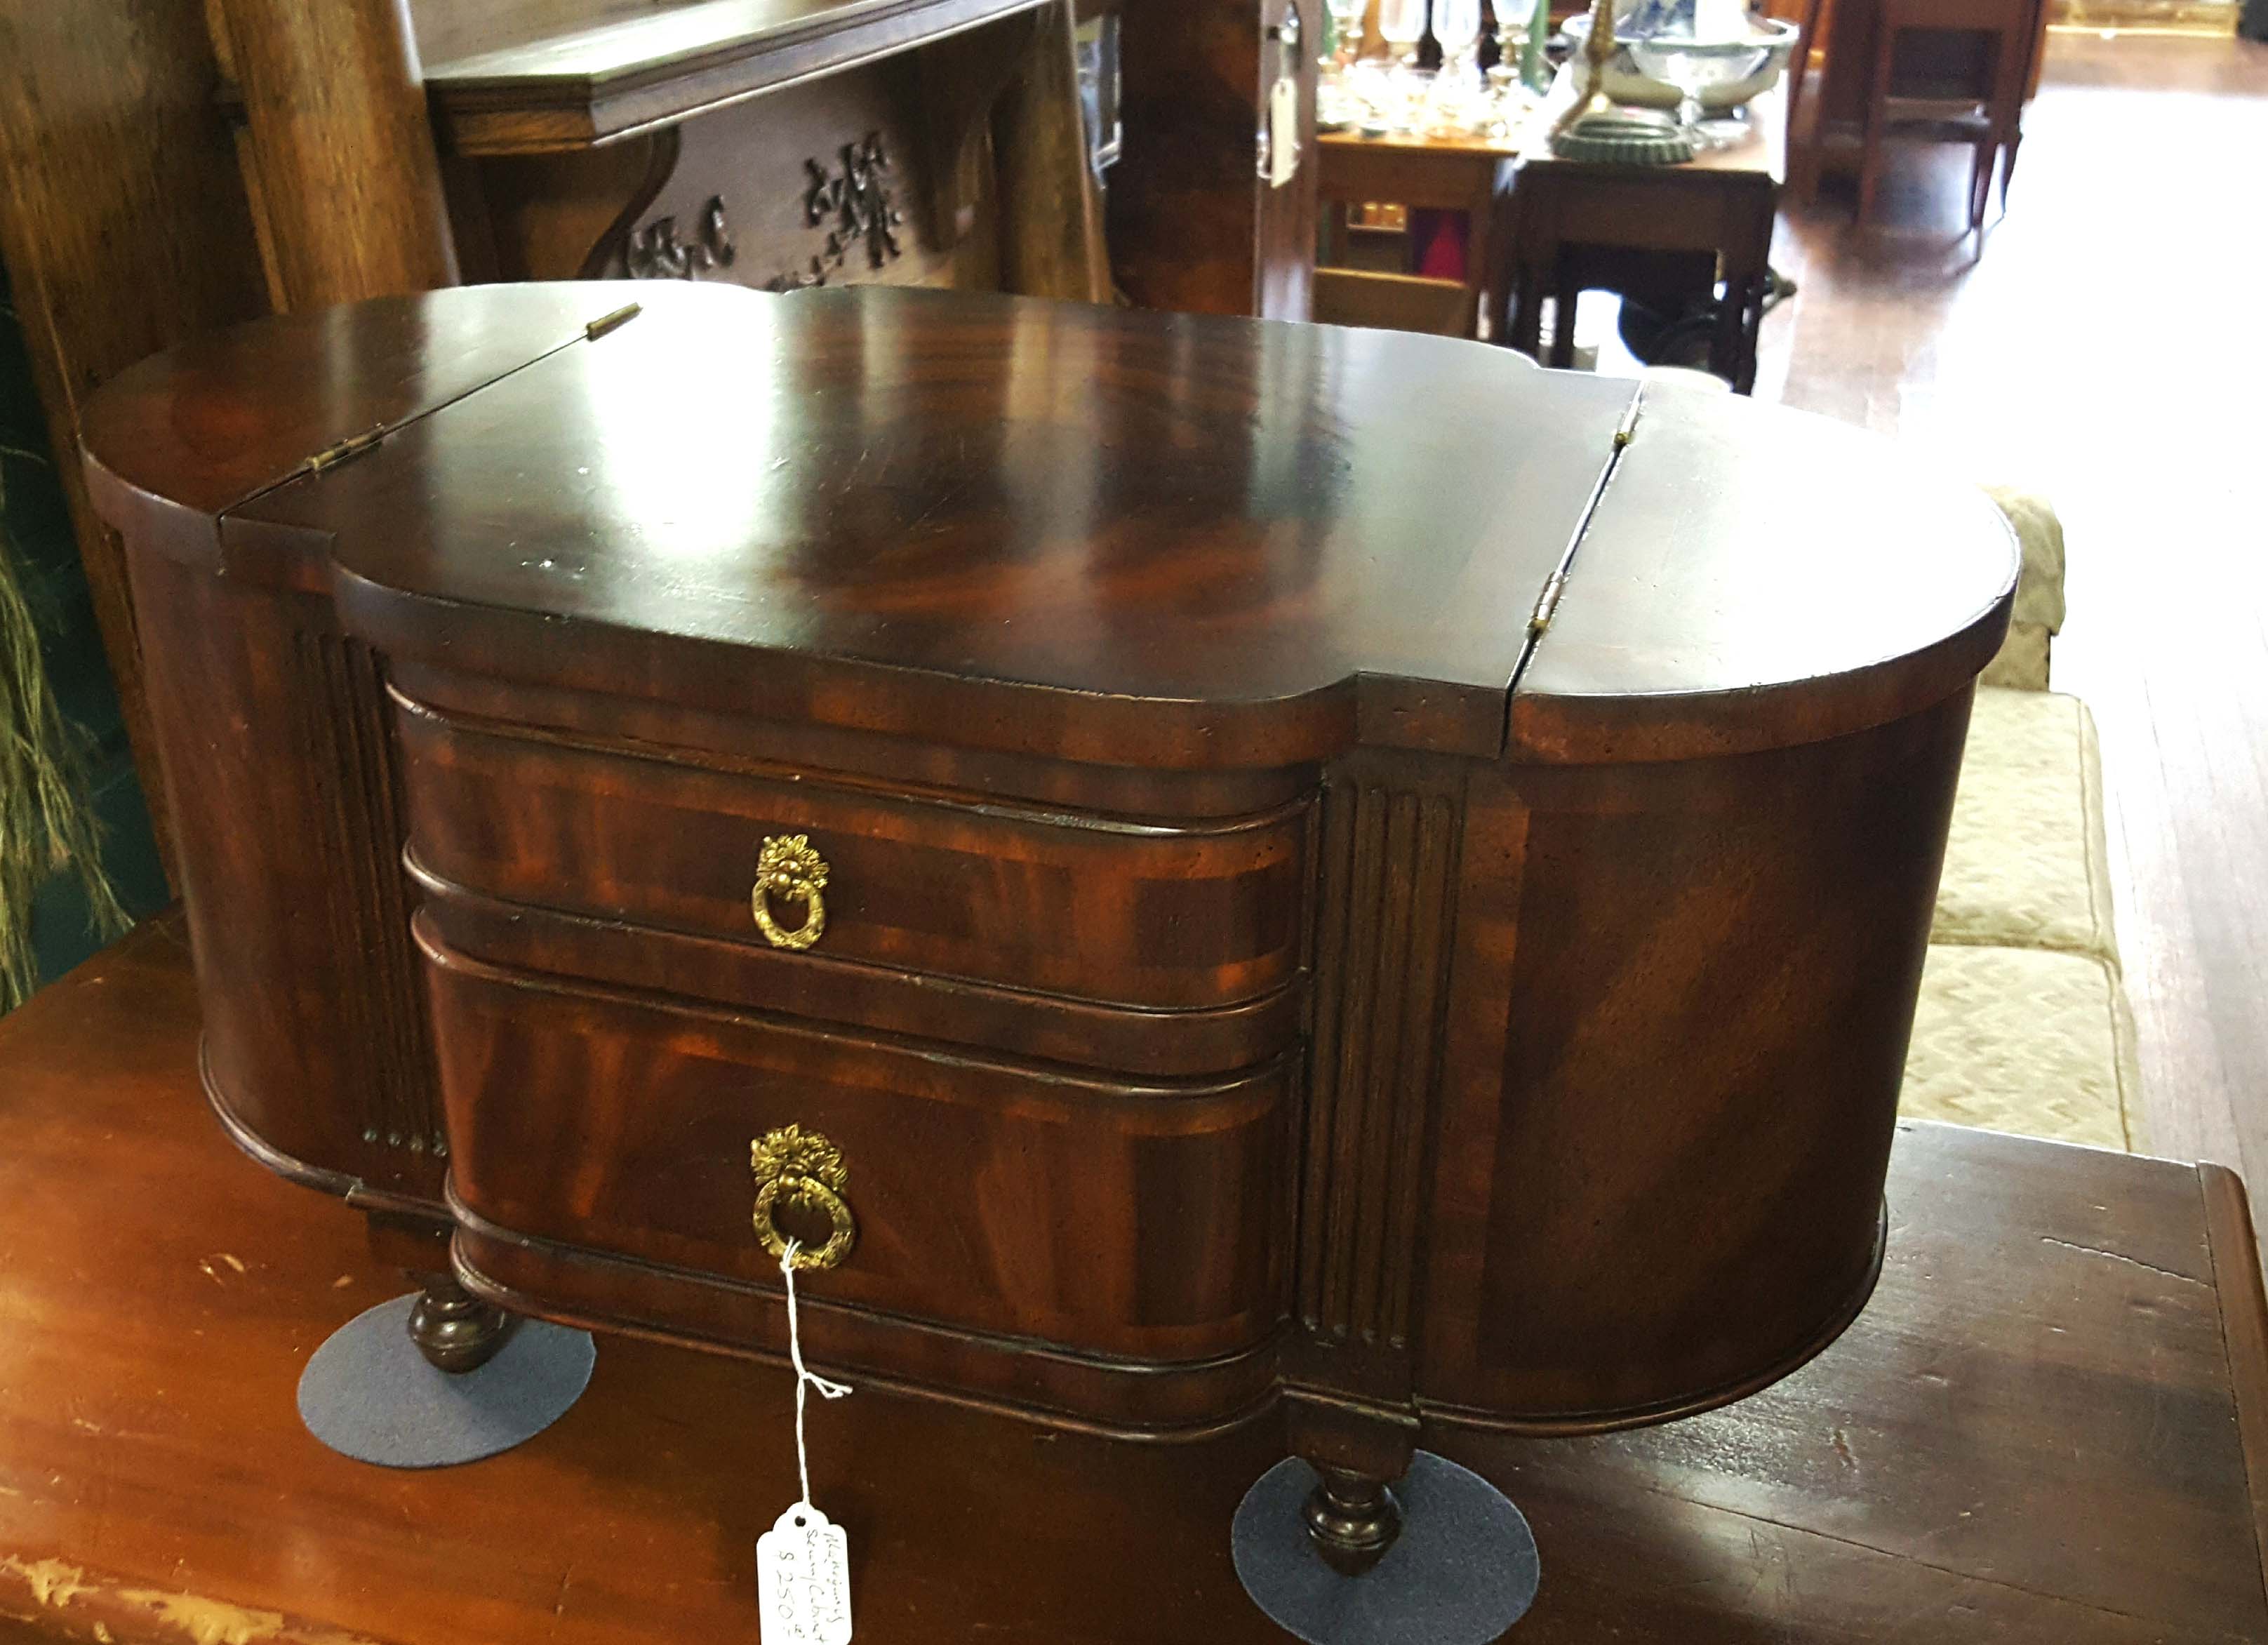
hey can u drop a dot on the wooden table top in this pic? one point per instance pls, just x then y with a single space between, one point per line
1505 148
2037 1431
1119 536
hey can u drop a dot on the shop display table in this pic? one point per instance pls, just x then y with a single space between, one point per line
1544 228
2038 1431
1466 175
1571 225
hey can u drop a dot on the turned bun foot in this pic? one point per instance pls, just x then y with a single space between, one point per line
455 1330
1439 1556
1352 1519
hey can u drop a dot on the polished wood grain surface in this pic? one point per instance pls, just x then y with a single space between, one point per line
1229 487
1361 555
204 433
1002 1199
1658 944
1722 652
1986 361
2035 1433
1088 908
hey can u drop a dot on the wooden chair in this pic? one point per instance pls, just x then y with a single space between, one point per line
1993 128
1799 70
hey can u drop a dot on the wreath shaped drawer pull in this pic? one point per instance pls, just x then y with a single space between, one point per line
801 1167
787 868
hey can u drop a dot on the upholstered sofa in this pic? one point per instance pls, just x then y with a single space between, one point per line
2023 1024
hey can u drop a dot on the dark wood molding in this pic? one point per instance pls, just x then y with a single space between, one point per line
610 255
353 817
1385 918
610 81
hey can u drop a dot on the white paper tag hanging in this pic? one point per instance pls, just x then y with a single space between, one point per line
803 1580
803 1562
1283 132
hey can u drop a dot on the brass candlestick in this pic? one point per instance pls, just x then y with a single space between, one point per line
1591 77
1595 128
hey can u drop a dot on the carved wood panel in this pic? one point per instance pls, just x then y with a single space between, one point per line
355 821
825 183
1389 857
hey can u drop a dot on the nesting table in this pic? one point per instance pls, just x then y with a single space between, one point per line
1544 228
2050 1426
1567 225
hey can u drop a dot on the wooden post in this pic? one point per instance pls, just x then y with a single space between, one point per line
1050 214
339 154
123 221
1193 227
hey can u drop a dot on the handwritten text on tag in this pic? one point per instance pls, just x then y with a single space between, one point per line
803 1580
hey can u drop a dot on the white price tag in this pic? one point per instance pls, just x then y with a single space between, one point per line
803 1580
1282 133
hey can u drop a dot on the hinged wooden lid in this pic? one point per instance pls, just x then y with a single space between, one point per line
1132 538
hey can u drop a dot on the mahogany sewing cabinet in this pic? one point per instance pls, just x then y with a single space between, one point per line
1197 864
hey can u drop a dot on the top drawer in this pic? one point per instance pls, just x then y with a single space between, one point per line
1097 909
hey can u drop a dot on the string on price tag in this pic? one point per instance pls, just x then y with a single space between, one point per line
803 1562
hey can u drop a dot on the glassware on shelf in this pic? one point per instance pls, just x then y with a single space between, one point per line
1401 24
1346 31
1457 25
1388 96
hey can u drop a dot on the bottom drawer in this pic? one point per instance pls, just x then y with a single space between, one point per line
601 1151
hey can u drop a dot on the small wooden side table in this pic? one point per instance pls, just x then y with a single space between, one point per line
1568 225
1468 175
2050 1426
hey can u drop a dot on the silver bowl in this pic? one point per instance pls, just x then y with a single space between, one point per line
1725 73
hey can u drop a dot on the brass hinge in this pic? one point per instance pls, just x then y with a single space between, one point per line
1627 429
346 450
605 323
1540 619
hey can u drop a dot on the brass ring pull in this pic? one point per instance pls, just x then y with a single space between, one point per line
803 1168
788 868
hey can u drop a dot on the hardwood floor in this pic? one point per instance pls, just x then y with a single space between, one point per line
2110 348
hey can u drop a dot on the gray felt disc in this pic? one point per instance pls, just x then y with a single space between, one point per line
1464 1570
369 1394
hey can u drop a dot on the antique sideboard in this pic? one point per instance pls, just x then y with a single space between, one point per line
1198 865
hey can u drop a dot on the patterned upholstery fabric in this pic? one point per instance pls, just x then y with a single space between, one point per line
2022 662
2025 1040
2039 589
2022 1024
2025 865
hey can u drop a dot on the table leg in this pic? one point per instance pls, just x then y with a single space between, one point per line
1564 292
1805 161
1733 344
1525 330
